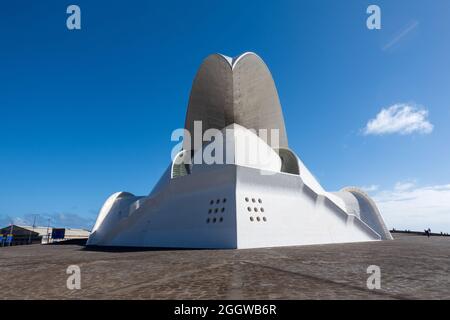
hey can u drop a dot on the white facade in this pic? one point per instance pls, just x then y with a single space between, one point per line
274 201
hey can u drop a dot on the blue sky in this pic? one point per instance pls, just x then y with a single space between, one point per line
89 112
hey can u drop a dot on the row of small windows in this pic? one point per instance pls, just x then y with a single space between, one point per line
258 219
216 210
249 209
253 200
214 220
218 201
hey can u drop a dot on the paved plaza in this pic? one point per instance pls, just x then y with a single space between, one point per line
412 267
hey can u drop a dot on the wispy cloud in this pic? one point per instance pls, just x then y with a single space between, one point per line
400 35
400 118
370 188
404 186
408 206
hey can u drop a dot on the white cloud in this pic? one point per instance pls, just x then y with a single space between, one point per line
399 118
408 206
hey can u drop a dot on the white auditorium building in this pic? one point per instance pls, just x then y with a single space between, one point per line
272 202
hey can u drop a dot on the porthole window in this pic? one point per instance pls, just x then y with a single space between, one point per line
223 209
258 218
249 209
265 219
207 220
246 199
224 200
221 219
218 201
259 200
214 220
216 210
262 209
251 219
211 202
256 209
253 200
209 211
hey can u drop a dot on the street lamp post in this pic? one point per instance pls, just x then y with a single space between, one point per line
11 232
48 228
34 225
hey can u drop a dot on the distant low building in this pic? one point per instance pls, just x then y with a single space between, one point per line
28 234
20 235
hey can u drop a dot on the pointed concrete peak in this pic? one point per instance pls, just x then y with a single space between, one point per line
229 59
240 57
234 61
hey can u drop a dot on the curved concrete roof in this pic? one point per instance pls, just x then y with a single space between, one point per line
369 213
108 205
239 90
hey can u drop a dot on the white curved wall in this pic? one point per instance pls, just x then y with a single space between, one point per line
241 147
